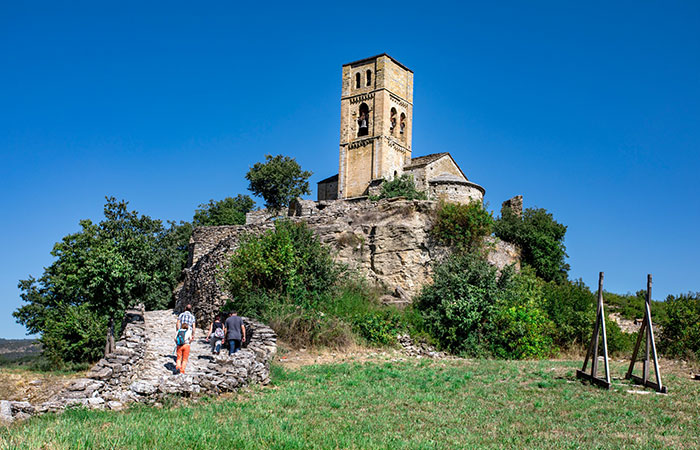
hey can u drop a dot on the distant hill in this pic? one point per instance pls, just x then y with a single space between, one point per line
12 349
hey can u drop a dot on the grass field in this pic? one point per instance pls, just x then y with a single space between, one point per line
395 405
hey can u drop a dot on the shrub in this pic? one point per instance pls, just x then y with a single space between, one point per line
288 263
459 307
571 306
540 238
73 334
522 328
402 186
681 333
618 340
462 227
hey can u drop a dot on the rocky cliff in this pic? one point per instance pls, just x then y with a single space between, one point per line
387 241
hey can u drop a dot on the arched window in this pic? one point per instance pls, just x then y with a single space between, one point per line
402 125
369 78
358 80
392 121
363 120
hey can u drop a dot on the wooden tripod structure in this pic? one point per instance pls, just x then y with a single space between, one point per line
593 347
646 331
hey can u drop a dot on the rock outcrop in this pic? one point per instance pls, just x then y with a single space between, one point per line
387 241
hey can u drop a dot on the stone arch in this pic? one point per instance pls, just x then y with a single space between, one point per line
363 120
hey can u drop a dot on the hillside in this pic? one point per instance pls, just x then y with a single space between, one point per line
14 349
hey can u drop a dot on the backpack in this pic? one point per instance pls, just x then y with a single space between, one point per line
219 332
180 338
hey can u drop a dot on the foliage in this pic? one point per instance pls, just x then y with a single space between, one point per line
229 211
460 305
462 226
632 306
73 334
402 186
540 238
104 268
618 340
278 181
522 329
288 262
571 306
681 332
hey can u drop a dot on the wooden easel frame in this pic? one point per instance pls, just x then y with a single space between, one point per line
649 348
593 347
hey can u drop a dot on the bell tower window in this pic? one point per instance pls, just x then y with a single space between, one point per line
358 80
363 120
392 121
369 78
403 125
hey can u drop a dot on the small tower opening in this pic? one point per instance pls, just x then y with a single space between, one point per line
369 78
363 120
403 126
392 121
358 80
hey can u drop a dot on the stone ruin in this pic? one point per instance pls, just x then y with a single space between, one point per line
134 372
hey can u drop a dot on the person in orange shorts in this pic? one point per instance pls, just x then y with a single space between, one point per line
182 340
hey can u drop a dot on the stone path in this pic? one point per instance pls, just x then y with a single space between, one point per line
159 361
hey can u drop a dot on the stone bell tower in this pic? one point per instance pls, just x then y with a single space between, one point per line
376 122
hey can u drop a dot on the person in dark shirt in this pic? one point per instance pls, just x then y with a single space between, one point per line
235 332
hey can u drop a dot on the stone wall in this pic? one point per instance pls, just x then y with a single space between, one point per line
387 241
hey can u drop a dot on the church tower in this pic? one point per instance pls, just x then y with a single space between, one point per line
376 122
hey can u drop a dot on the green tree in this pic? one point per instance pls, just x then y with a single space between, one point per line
229 211
125 259
278 181
540 238
402 186
681 332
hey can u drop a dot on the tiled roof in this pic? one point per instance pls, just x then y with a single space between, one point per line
427 159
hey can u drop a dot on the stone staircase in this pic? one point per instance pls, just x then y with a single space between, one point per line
142 368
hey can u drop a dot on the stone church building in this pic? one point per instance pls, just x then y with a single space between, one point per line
376 125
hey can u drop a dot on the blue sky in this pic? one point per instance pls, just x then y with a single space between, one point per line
591 111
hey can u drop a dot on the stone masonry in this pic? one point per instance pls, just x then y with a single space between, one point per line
387 241
141 369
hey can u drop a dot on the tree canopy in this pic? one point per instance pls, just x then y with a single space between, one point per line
540 238
229 211
104 268
278 181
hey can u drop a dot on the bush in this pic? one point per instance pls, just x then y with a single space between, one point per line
459 307
522 328
288 263
462 227
571 306
618 340
540 238
402 186
286 278
73 334
681 333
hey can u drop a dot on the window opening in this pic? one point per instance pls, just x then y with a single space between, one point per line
392 121
363 120
403 123
369 78
358 81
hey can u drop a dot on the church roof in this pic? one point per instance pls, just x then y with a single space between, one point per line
363 60
329 179
424 160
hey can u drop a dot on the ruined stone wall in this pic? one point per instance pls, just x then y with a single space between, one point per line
387 241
